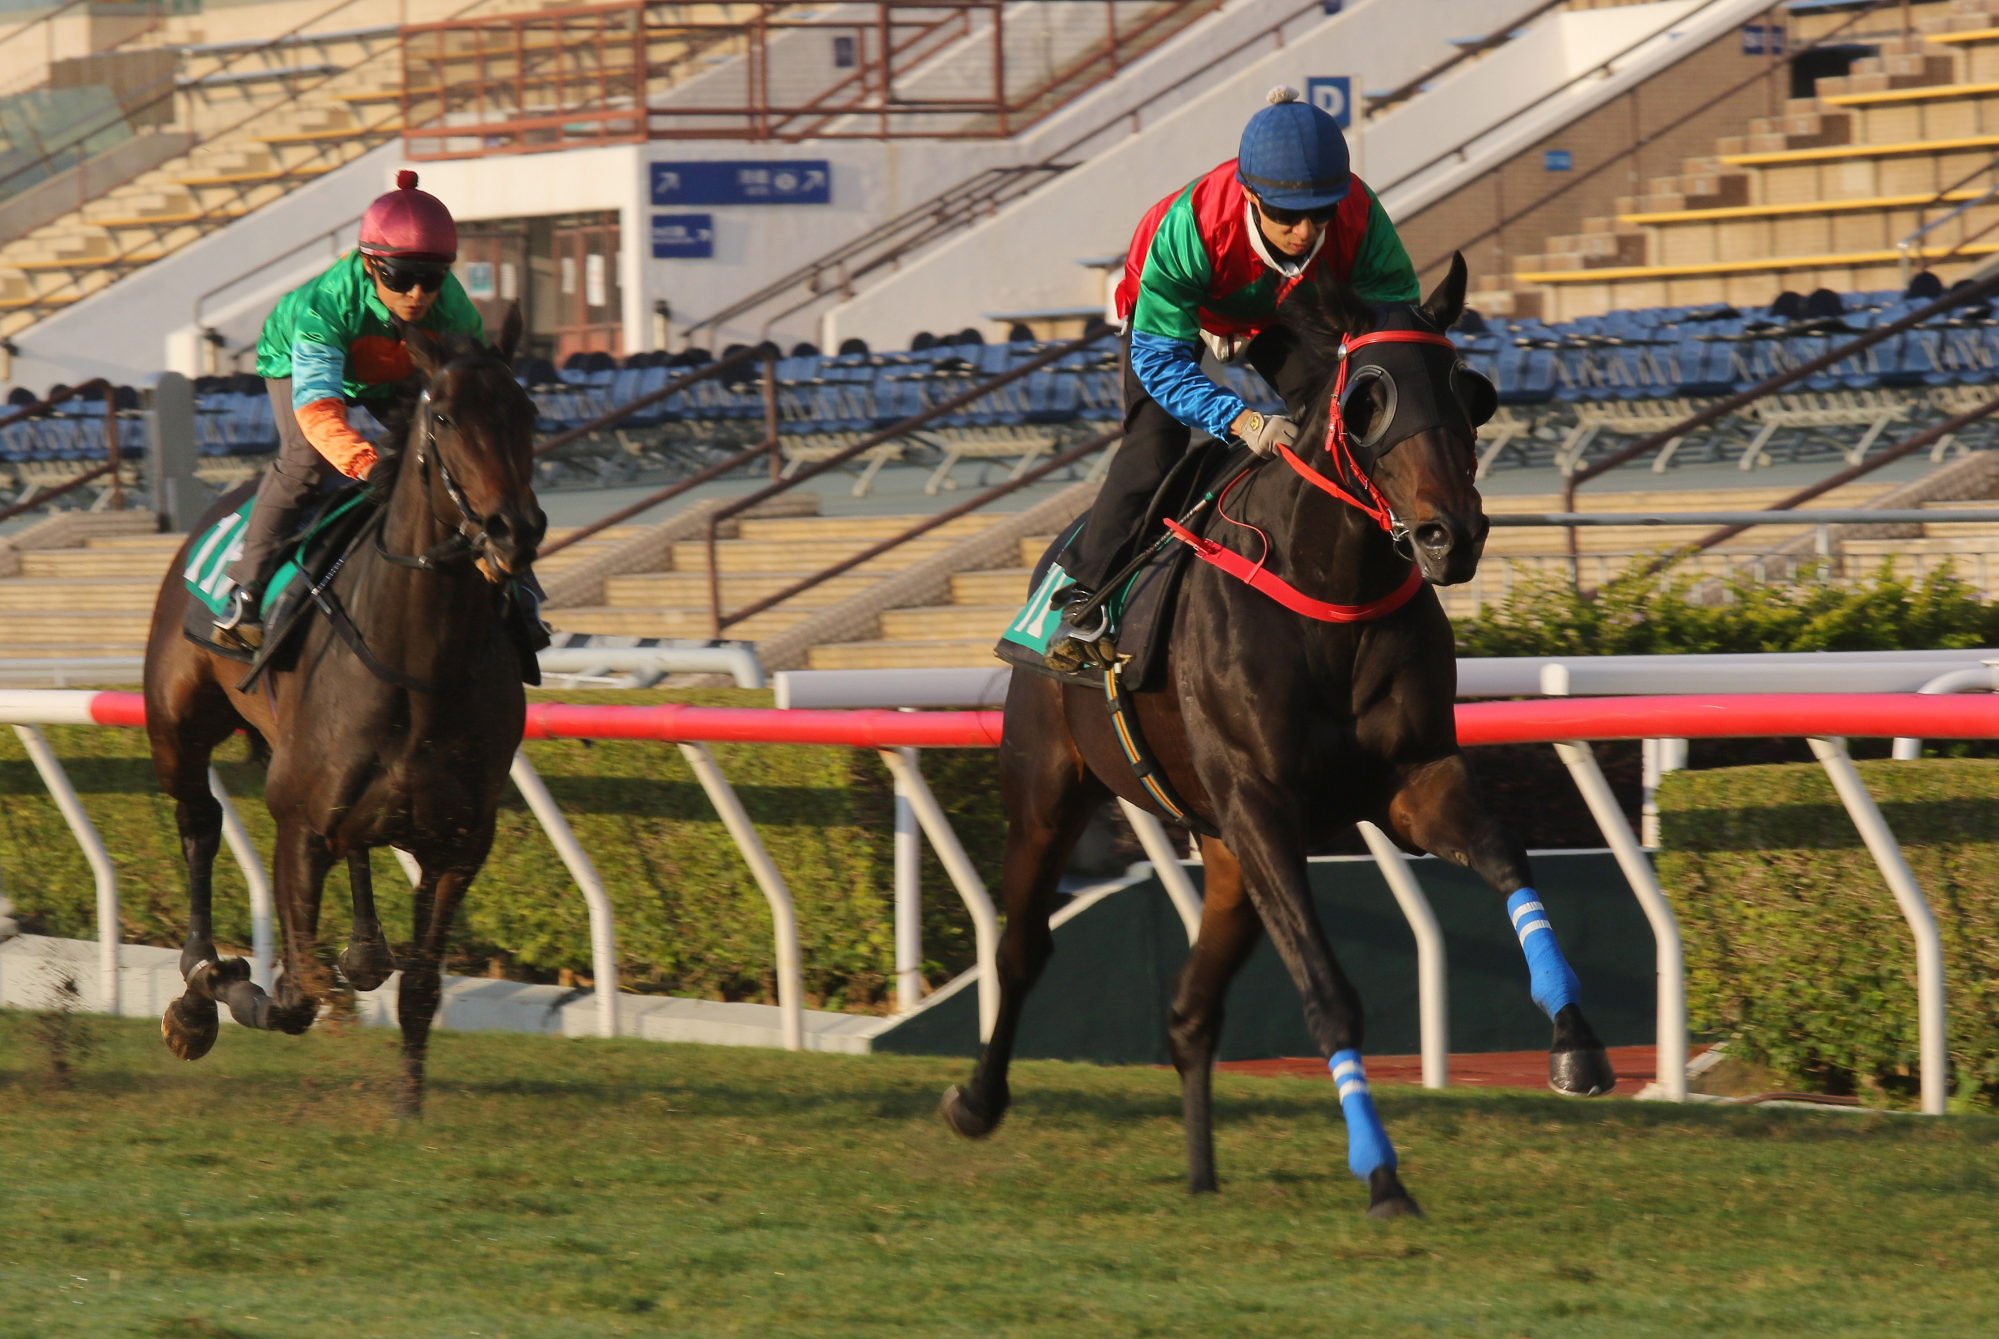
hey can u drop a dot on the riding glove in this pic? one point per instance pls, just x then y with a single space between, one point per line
1264 433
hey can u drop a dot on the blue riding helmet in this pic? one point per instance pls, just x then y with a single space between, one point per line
1294 156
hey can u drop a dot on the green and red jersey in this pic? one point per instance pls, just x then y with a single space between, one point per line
1199 264
337 342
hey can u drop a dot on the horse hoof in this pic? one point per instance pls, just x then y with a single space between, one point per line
367 966
961 1115
1584 1072
293 1020
1387 1198
189 1027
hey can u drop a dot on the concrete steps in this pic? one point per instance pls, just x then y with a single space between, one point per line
905 654
127 595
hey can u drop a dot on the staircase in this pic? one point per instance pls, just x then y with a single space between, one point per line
96 598
1819 195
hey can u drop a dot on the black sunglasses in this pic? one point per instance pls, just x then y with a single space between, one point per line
402 278
1291 218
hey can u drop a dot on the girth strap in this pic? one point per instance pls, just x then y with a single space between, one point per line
1124 724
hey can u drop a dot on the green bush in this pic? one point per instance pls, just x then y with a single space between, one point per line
690 919
1639 615
1795 947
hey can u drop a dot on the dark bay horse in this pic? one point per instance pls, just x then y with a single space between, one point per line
411 751
1280 728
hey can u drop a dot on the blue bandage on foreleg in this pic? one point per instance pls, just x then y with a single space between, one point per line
1367 1143
1552 982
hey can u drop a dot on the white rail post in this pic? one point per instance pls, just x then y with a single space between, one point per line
972 889
603 923
101 871
908 895
1668 954
1932 1041
784 920
1648 808
1152 835
263 947
1432 994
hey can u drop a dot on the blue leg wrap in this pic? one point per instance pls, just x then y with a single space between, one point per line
1367 1143
1553 982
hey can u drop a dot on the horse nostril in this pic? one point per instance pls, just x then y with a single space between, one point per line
1433 535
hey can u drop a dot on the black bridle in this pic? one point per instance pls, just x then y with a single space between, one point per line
468 538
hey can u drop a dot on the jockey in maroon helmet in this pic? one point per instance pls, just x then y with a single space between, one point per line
336 342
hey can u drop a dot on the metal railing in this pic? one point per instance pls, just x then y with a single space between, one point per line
114 459
1622 160
720 620
631 71
945 214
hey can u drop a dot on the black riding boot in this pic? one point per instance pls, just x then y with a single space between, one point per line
242 624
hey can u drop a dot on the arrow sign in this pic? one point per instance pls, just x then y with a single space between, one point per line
683 236
743 182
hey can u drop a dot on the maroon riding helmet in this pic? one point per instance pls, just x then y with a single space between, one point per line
409 224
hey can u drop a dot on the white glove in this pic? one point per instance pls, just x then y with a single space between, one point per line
1264 433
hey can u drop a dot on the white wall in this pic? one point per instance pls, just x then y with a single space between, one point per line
1026 257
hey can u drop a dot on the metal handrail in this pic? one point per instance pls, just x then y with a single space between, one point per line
1074 455
1905 248
1498 227
1497 38
112 465
717 618
945 211
767 447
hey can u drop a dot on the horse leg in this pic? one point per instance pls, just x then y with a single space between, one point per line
1273 866
181 751
436 897
1229 930
1438 809
1049 800
366 961
299 871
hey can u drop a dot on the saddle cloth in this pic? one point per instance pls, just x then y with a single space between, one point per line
1141 611
327 535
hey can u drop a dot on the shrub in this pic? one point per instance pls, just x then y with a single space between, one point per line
1795 947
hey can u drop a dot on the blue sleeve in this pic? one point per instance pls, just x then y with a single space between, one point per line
1170 371
319 372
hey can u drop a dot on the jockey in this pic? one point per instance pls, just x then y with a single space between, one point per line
334 342
1208 266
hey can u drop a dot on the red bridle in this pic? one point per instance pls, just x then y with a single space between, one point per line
1256 575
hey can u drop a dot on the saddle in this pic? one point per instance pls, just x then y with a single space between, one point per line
312 556
1141 609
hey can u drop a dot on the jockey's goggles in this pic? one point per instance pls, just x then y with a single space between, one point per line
402 278
1291 218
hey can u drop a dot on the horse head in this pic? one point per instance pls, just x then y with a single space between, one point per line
1403 411
472 437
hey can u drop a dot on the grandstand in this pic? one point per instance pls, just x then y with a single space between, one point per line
1807 221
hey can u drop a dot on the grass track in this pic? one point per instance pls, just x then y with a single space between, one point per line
625 1188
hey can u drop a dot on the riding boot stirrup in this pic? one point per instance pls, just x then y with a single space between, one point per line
241 624
1076 647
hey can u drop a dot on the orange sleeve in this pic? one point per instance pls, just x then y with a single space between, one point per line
325 425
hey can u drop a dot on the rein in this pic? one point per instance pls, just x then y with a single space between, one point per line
456 547
1375 507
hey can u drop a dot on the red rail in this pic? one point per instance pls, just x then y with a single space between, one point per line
1865 715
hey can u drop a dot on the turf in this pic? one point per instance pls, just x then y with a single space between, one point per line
619 1188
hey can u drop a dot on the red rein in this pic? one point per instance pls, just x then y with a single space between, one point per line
1256 576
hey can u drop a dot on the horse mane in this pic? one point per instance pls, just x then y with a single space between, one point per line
1323 310
398 414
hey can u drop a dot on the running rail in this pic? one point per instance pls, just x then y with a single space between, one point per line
1570 724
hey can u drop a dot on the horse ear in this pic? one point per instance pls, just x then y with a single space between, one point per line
426 353
1446 302
510 333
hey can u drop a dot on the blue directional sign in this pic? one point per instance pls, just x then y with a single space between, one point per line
1557 160
1333 95
807 181
1762 39
683 236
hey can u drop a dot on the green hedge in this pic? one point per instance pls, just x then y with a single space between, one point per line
1637 615
690 919
1795 948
